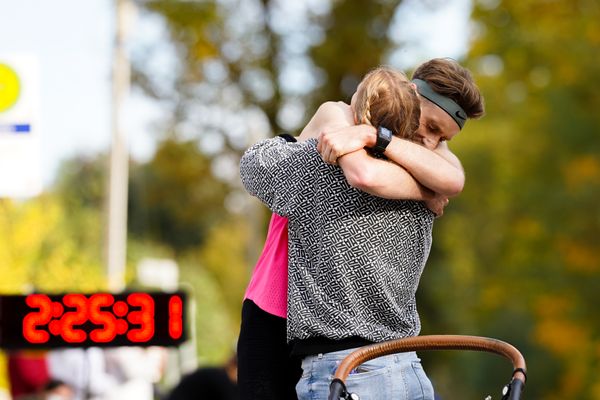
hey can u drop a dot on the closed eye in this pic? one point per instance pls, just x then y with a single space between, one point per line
433 129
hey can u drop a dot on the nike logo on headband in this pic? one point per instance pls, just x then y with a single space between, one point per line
445 103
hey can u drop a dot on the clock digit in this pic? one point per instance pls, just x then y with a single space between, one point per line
175 317
144 317
37 318
77 317
103 318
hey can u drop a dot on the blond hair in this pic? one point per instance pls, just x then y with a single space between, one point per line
386 98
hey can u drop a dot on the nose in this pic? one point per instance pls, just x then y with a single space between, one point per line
428 142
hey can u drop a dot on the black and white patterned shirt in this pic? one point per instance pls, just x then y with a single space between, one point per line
355 260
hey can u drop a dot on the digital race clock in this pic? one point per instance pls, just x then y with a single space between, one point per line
96 319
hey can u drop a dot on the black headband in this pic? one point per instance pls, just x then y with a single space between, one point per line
445 103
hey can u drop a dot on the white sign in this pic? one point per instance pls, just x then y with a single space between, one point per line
158 272
20 153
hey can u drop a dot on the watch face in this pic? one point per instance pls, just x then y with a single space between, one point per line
97 319
385 133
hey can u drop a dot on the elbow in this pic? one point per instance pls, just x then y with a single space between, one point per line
454 186
250 172
362 179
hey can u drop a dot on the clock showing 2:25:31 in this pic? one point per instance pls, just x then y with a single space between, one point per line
97 319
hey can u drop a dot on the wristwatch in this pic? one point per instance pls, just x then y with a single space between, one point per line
384 137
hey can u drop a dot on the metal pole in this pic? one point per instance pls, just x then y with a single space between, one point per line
116 244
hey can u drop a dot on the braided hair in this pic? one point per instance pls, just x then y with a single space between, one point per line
385 97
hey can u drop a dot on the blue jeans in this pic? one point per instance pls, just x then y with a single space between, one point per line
393 377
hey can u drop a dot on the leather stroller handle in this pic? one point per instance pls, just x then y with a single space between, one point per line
436 342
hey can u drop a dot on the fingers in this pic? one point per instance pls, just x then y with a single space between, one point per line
320 140
326 154
327 151
330 156
439 207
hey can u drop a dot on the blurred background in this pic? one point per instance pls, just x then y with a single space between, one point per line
138 112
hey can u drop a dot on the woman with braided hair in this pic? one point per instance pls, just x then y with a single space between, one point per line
354 259
381 99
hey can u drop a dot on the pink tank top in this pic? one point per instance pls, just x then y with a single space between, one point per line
268 284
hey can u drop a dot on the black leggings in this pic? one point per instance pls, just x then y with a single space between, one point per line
265 368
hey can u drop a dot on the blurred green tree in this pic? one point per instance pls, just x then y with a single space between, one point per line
516 255
55 235
175 198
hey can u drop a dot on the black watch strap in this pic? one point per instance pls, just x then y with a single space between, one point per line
384 137
288 138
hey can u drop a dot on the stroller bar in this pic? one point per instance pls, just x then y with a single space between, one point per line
435 342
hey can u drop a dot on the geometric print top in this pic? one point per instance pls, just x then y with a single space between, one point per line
354 259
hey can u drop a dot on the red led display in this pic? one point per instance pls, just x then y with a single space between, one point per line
175 317
70 319
42 316
105 319
144 317
98 319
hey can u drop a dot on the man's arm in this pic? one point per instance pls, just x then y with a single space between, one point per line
377 177
388 180
381 177
438 170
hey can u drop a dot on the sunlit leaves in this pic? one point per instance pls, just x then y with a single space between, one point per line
40 250
530 205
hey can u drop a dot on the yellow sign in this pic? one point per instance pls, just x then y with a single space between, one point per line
10 87
20 145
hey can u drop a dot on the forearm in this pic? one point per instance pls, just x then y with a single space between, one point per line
441 174
438 170
381 178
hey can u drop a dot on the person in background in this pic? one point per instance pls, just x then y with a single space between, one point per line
84 370
209 383
53 390
27 372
